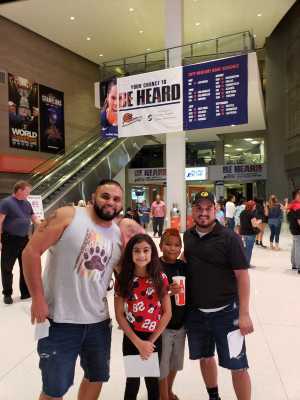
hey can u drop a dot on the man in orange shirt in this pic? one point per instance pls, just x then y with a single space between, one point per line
158 213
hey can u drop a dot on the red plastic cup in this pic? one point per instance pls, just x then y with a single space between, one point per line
180 297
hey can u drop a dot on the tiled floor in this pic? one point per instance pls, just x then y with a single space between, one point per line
273 350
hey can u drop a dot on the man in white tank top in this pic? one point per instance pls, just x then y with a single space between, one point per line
84 246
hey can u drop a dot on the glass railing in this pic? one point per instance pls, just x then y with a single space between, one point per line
241 42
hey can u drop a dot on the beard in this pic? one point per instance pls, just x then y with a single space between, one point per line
105 216
205 223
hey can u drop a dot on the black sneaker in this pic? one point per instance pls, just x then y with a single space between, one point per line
25 296
7 300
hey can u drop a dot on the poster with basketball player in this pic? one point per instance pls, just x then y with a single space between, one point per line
52 126
109 108
23 113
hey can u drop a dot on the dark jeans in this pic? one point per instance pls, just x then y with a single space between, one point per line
249 241
275 228
158 225
12 247
133 384
230 223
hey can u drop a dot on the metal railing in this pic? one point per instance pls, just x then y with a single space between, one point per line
241 42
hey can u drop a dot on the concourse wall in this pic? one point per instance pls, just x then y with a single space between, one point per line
283 104
31 56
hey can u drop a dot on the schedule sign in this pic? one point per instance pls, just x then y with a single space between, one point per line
215 93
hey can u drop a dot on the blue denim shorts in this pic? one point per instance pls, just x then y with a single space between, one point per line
207 331
59 351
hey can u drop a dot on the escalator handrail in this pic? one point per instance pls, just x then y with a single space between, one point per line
62 154
65 178
71 158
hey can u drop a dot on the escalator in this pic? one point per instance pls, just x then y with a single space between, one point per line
74 175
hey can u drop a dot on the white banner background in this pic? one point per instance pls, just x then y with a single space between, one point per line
150 103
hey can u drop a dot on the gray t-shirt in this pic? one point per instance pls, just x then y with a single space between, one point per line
18 215
78 271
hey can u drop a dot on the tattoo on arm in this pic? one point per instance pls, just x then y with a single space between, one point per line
47 222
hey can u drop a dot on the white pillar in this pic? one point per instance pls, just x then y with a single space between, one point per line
175 142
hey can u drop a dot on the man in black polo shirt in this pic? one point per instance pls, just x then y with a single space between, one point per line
218 292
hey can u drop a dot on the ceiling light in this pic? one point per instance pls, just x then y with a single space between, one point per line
88 38
148 49
100 55
254 35
232 125
141 31
72 18
228 145
248 139
197 23
131 9
239 149
226 155
259 14
254 142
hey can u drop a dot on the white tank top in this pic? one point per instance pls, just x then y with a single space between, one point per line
78 270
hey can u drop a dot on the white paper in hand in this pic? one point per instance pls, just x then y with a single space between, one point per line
235 343
41 330
136 367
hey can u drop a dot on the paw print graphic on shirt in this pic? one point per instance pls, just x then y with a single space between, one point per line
94 258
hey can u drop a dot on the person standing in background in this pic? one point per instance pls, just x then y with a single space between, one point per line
275 217
158 213
16 214
239 208
249 227
293 217
261 213
229 211
145 214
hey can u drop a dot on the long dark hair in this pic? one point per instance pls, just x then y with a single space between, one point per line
125 278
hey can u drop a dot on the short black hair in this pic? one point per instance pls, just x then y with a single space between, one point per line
109 182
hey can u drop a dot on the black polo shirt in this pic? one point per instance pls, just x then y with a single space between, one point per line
211 261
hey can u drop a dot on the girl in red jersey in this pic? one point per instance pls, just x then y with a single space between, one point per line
142 307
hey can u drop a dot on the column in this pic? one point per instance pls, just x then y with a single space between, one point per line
175 141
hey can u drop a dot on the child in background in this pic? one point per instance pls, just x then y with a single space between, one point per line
142 307
173 338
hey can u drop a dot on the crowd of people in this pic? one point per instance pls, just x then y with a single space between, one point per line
90 242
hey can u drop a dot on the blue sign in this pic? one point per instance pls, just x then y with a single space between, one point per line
215 93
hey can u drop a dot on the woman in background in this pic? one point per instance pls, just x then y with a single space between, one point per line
275 216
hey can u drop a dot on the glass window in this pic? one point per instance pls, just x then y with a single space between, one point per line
148 157
244 150
199 154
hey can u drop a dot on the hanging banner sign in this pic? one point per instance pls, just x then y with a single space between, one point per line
147 175
215 93
244 172
37 205
150 103
23 113
52 126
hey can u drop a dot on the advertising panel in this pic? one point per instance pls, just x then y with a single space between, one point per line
109 108
52 126
37 205
215 93
23 113
150 103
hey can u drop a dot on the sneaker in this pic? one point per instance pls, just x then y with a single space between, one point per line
7 300
25 296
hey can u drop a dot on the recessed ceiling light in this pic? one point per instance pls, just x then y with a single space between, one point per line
254 142
228 145
72 18
226 155
131 9
141 31
254 35
100 55
232 125
148 49
239 149
259 14
197 23
248 139
88 38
